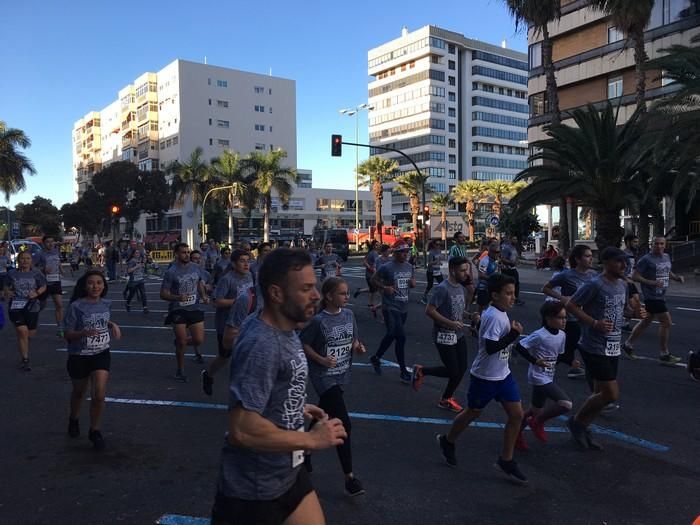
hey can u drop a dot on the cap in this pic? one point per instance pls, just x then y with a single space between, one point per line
613 254
400 246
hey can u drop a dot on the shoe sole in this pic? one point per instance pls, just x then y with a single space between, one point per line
450 409
510 476
204 381
355 494
669 363
581 445
442 454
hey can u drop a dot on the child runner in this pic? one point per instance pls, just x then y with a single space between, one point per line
491 378
23 287
48 262
541 349
329 262
135 285
87 329
329 340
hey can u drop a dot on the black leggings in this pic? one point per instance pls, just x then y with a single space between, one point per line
133 289
333 404
432 278
573 334
454 359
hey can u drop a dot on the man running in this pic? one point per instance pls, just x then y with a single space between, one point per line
183 288
653 271
261 480
488 265
459 248
329 262
509 264
264 248
48 262
631 250
223 265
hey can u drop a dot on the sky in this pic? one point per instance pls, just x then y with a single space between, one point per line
63 59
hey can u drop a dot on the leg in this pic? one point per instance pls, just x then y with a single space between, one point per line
23 341
76 396
400 342
429 287
391 319
462 421
333 403
196 334
58 304
130 292
639 329
99 388
309 512
142 291
664 331
514 411
606 392
180 344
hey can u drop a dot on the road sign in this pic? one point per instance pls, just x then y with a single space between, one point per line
495 221
356 231
15 229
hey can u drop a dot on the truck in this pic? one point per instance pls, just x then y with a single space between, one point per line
390 234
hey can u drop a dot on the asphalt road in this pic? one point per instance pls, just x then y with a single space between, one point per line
163 438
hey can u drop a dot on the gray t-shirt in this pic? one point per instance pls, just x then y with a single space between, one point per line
602 300
435 258
136 276
249 303
21 284
230 286
330 335
183 280
328 264
569 281
49 263
397 275
268 377
655 268
371 259
629 262
83 314
4 264
509 254
449 301
220 267
543 344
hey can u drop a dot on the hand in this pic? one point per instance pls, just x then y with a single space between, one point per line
116 331
412 282
541 363
327 433
565 299
205 300
90 333
389 290
359 347
659 283
314 412
575 363
642 312
457 325
328 362
182 298
681 279
604 325
475 317
515 325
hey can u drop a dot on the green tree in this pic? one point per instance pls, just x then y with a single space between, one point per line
190 179
226 171
413 184
593 161
39 217
441 202
13 163
374 173
82 214
268 174
471 192
516 224
500 189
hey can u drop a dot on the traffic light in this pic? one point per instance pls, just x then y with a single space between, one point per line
336 145
114 210
426 211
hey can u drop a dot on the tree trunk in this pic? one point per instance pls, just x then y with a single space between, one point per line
640 58
443 218
497 204
552 102
564 239
470 219
266 217
609 232
378 197
230 227
415 208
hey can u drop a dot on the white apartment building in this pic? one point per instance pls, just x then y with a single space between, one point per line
457 106
162 117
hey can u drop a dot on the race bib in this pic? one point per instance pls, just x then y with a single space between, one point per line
97 343
298 455
437 271
549 369
53 277
189 301
401 289
446 338
341 353
612 348
504 354
18 304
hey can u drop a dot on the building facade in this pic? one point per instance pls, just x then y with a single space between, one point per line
456 106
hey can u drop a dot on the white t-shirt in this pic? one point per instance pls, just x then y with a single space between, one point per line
543 344
495 325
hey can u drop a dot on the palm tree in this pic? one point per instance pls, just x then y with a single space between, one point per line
192 178
268 174
374 173
413 184
593 161
13 164
498 189
441 202
471 192
226 171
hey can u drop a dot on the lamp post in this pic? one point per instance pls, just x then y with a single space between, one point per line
356 113
204 201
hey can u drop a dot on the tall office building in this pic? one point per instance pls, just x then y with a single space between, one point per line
162 117
456 106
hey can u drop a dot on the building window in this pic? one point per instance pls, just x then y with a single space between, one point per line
260 109
260 127
451 112
222 123
535 55
175 140
220 103
221 83
210 122
210 102
615 87
452 174
451 49
259 89
452 128
223 143
452 143
451 64
451 96
259 147
614 35
211 142
452 159
537 104
451 81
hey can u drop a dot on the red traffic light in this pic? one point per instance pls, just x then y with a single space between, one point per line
115 209
336 145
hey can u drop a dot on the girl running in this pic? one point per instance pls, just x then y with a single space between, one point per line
135 269
87 327
329 340
541 349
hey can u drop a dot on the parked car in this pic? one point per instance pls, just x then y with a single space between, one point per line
19 245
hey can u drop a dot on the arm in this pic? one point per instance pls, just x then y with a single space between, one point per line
317 358
526 355
676 277
493 347
636 276
548 289
431 311
596 324
202 289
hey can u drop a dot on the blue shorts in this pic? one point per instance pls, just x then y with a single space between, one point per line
482 391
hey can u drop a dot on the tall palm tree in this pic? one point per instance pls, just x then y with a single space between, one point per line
374 173
13 163
226 171
413 184
442 201
472 192
593 161
500 189
191 178
268 174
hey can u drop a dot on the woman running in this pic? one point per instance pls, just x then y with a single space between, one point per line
23 288
87 327
135 269
329 340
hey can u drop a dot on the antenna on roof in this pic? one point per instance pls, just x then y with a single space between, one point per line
270 71
205 60
503 44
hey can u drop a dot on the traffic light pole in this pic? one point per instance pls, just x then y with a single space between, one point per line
404 155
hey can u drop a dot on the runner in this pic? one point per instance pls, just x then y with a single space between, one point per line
183 288
260 479
87 329
394 280
264 248
509 264
23 288
542 349
491 378
558 265
653 272
488 265
599 305
75 260
135 285
211 255
48 262
329 341
223 265
86 255
447 309
4 264
329 262
370 264
693 365
196 258
459 248
434 269
631 250
231 286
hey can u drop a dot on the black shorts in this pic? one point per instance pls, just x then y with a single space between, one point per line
51 289
600 367
655 306
234 511
24 318
541 393
186 317
81 366
483 298
632 289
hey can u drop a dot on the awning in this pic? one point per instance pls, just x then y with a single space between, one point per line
153 238
170 237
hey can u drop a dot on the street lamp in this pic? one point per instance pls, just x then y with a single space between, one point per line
356 113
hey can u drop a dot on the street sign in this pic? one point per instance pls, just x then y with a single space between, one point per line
15 229
492 220
356 231
495 221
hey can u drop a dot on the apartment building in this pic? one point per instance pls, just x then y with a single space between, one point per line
456 106
163 116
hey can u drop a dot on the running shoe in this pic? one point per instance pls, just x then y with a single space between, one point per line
376 364
578 433
353 487
692 366
207 383
450 404
25 365
520 443
417 377
537 429
180 376
198 358
73 427
592 444
669 359
447 449
575 373
60 333
629 351
610 408
98 442
424 300
510 469
127 307
405 376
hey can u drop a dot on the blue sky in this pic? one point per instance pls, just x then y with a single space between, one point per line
63 59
